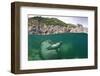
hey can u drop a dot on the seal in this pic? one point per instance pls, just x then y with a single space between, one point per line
50 50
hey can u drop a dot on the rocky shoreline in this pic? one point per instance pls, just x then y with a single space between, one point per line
43 26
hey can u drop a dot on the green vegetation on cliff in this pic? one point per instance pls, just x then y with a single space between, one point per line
38 20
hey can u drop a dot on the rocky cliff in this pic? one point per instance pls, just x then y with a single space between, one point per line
44 26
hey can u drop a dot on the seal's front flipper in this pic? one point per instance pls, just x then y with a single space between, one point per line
55 46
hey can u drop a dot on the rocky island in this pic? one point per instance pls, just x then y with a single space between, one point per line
44 26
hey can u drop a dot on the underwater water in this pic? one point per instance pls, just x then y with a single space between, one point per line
73 45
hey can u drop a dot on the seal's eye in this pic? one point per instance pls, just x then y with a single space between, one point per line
50 41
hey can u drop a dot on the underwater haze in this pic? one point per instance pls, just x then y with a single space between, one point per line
58 46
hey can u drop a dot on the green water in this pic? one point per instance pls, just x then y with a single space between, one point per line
74 45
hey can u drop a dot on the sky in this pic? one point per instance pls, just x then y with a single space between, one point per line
68 19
